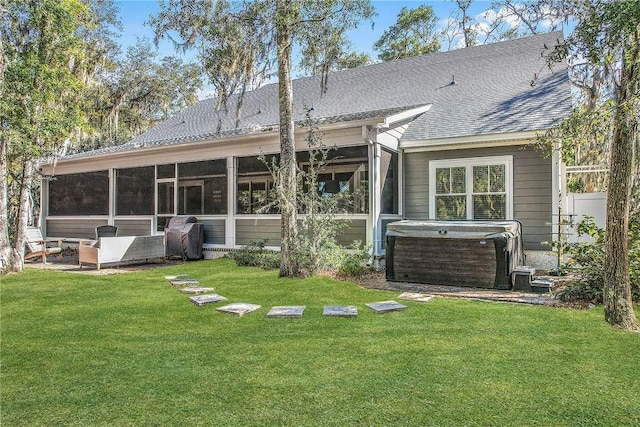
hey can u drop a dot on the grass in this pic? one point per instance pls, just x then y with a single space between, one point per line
130 350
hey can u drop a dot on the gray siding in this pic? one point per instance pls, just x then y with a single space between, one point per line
73 228
214 231
133 227
532 191
248 230
357 230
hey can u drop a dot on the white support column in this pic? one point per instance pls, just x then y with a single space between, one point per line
154 219
44 204
375 197
400 183
373 233
112 195
230 222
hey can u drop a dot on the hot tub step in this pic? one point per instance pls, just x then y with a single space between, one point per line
541 285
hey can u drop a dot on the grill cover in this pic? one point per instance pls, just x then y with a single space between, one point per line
183 237
460 253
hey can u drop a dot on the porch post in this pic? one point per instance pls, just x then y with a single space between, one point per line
373 231
230 222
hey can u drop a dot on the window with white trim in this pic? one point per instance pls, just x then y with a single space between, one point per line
473 188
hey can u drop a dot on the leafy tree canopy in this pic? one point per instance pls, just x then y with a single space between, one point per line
414 33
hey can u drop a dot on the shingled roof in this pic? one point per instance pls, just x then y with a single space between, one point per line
488 89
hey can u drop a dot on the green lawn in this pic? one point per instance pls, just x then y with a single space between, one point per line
130 350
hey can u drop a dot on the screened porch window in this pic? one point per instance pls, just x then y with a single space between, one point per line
202 187
345 174
478 188
134 191
192 188
255 186
79 194
389 182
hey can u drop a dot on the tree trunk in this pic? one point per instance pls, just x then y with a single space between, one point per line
287 190
23 213
617 287
5 246
15 262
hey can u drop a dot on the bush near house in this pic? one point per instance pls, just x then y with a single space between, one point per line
587 262
349 261
255 254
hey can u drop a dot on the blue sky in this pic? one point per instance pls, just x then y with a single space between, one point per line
134 13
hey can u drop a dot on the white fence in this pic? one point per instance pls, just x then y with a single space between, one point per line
581 204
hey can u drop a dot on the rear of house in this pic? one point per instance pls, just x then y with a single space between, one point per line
440 136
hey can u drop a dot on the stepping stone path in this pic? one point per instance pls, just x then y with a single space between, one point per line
238 308
201 300
412 296
294 311
386 306
195 290
340 311
182 280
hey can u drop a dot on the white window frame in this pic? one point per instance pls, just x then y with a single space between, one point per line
469 163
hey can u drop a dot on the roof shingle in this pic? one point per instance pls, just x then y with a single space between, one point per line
494 92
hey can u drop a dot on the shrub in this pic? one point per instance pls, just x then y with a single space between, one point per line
255 255
587 262
354 260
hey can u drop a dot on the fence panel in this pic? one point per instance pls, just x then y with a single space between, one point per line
581 204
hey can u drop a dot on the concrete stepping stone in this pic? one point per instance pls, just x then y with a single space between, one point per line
238 308
292 311
386 306
176 277
201 300
196 290
413 296
340 311
184 282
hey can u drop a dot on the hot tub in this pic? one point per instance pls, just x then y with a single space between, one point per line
479 254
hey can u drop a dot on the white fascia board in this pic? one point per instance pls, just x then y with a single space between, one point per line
267 140
407 114
470 141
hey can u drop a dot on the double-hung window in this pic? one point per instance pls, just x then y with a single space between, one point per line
474 188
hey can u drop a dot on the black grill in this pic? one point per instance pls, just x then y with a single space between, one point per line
183 237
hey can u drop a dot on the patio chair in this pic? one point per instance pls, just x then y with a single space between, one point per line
37 246
106 231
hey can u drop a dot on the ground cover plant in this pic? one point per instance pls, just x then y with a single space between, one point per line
129 349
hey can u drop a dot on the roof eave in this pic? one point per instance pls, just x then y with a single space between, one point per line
469 141
404 115
222 142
